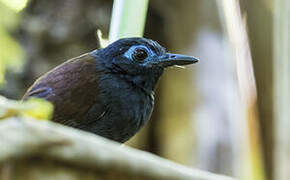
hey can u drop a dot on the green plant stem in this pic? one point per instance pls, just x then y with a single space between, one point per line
128 19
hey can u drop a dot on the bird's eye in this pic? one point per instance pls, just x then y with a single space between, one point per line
140 54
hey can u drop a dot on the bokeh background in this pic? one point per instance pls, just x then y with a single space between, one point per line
197 117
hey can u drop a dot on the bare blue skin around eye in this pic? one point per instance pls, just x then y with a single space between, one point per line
129 53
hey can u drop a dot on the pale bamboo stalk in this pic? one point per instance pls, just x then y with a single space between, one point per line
282 89
128 19
248 137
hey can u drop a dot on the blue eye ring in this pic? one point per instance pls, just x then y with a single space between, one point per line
130 53
140 54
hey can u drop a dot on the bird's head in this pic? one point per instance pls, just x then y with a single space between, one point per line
141 59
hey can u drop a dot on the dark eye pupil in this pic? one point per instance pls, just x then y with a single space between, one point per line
140 54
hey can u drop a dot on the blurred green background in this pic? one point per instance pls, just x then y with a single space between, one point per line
195 121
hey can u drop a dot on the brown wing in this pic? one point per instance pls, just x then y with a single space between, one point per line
71 87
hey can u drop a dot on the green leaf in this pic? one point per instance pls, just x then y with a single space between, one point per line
34 107
15 5
11 53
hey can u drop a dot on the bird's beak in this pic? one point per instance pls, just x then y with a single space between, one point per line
176 59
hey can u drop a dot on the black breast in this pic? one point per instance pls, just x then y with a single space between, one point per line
126 108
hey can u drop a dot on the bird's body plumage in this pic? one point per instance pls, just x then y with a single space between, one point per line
83 94
103 91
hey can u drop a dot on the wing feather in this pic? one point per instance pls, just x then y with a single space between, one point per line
72 87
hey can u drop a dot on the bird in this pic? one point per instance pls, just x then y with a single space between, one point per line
107 91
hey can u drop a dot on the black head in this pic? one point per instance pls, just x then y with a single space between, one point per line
140 58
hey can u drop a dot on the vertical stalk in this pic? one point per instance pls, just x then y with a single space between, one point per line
251 161
282 88
128 19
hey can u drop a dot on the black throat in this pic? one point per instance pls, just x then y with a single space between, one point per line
146 82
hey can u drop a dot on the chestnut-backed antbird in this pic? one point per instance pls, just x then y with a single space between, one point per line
109 91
